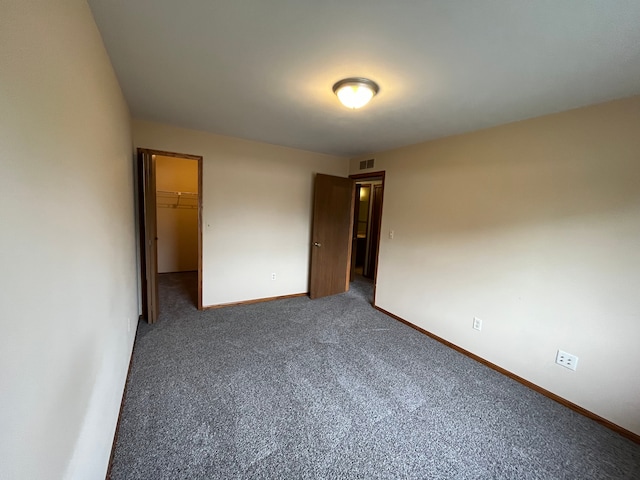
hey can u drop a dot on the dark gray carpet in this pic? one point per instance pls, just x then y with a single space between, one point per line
333 389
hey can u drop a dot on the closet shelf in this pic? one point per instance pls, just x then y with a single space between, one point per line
167 199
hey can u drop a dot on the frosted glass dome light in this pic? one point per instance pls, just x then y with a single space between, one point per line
355 92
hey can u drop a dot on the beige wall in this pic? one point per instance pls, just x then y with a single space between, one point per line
534 227
256 210
67 243
177 219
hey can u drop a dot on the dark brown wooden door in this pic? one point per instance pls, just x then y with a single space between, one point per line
331 235
148 234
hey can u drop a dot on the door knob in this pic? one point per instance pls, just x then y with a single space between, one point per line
316 244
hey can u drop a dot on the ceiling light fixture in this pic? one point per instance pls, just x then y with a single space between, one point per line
355 92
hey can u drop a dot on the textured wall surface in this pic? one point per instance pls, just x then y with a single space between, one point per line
67 243
532 227
256 210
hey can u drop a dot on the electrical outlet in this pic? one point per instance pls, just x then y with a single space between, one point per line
391 234
477 323
567 360
273 276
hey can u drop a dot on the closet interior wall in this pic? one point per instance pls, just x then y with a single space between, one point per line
177 214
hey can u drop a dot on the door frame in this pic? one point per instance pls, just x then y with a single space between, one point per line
143 256
356 225
380 175
377 194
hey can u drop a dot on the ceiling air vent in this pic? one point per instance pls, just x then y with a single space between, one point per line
366 164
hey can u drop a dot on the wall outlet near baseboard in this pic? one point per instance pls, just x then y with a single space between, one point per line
567 360
477 324
273 276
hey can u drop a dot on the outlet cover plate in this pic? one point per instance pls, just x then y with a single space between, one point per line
567 360
477 324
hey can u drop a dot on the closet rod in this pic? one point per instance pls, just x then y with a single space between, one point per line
166 192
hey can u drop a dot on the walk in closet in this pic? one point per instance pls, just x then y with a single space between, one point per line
177 214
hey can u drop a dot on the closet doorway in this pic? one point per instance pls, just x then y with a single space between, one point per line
170 186
367 217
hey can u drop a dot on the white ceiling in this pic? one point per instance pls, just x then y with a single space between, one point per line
263 70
